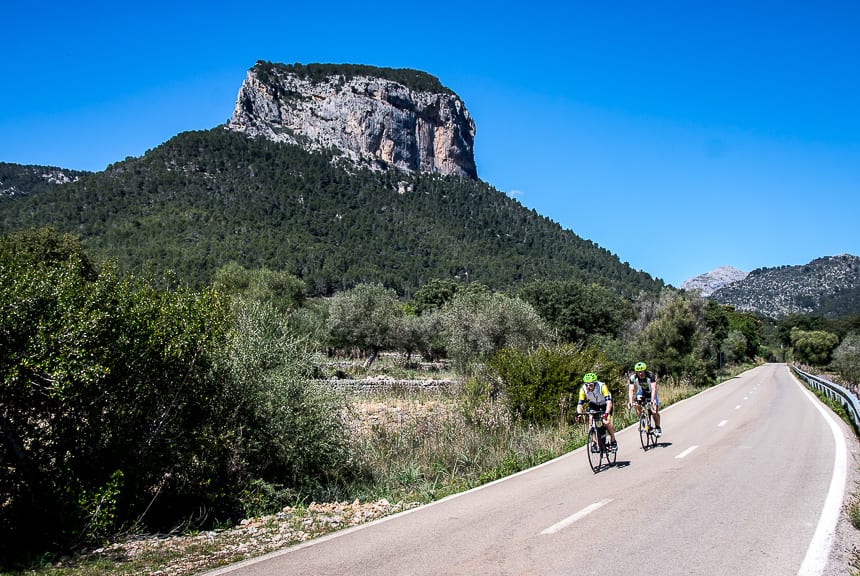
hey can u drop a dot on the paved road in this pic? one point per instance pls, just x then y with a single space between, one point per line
737 486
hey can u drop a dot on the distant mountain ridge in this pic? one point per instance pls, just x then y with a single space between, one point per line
709 282
829 286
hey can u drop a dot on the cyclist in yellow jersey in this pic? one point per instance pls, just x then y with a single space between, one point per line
597 395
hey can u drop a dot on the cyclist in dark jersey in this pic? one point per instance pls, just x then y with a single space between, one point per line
643 387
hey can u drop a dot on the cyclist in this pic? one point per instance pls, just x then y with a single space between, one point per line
597 395
643 386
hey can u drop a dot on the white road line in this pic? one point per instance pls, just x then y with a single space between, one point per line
746 397
738 406
579 515
822 539
723 423
686 452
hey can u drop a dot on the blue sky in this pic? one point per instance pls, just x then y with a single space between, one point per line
680 136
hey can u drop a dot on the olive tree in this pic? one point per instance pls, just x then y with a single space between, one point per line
365 317
422 334
478 324
813 347
846 358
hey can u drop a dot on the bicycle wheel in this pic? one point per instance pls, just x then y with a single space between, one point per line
611 455
594 458
652 431
644 430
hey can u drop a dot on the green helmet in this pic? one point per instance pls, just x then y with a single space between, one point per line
640 366
590 377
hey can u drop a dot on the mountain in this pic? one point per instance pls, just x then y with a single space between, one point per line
335 197
829 286
708 282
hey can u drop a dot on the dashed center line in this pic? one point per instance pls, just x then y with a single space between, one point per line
686 452
579 515
723 423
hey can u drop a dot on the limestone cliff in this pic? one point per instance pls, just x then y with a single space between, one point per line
376 117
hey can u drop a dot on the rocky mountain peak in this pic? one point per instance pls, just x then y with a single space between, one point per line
710 282
375 117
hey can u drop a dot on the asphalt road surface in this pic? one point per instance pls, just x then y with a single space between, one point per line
743 481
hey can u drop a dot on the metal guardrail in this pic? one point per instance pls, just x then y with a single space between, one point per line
834 392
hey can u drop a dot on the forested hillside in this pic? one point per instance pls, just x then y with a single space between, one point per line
206 198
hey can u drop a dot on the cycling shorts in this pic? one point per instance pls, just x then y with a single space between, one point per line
600 407
643 398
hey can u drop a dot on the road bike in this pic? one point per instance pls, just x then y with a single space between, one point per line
647 433
598 449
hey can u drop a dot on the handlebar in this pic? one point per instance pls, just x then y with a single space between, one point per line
598 413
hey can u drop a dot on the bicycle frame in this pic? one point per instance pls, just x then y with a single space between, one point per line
647 437
599 435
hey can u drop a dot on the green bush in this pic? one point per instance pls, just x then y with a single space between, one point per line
846 358
101 388
282 290
813 347
135 402
542 386
280 427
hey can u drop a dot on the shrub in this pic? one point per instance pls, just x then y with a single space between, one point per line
846 359
813 347
542 386
124 403
280 428
103 378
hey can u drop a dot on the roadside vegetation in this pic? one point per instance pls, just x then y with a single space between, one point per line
152 428
423 445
